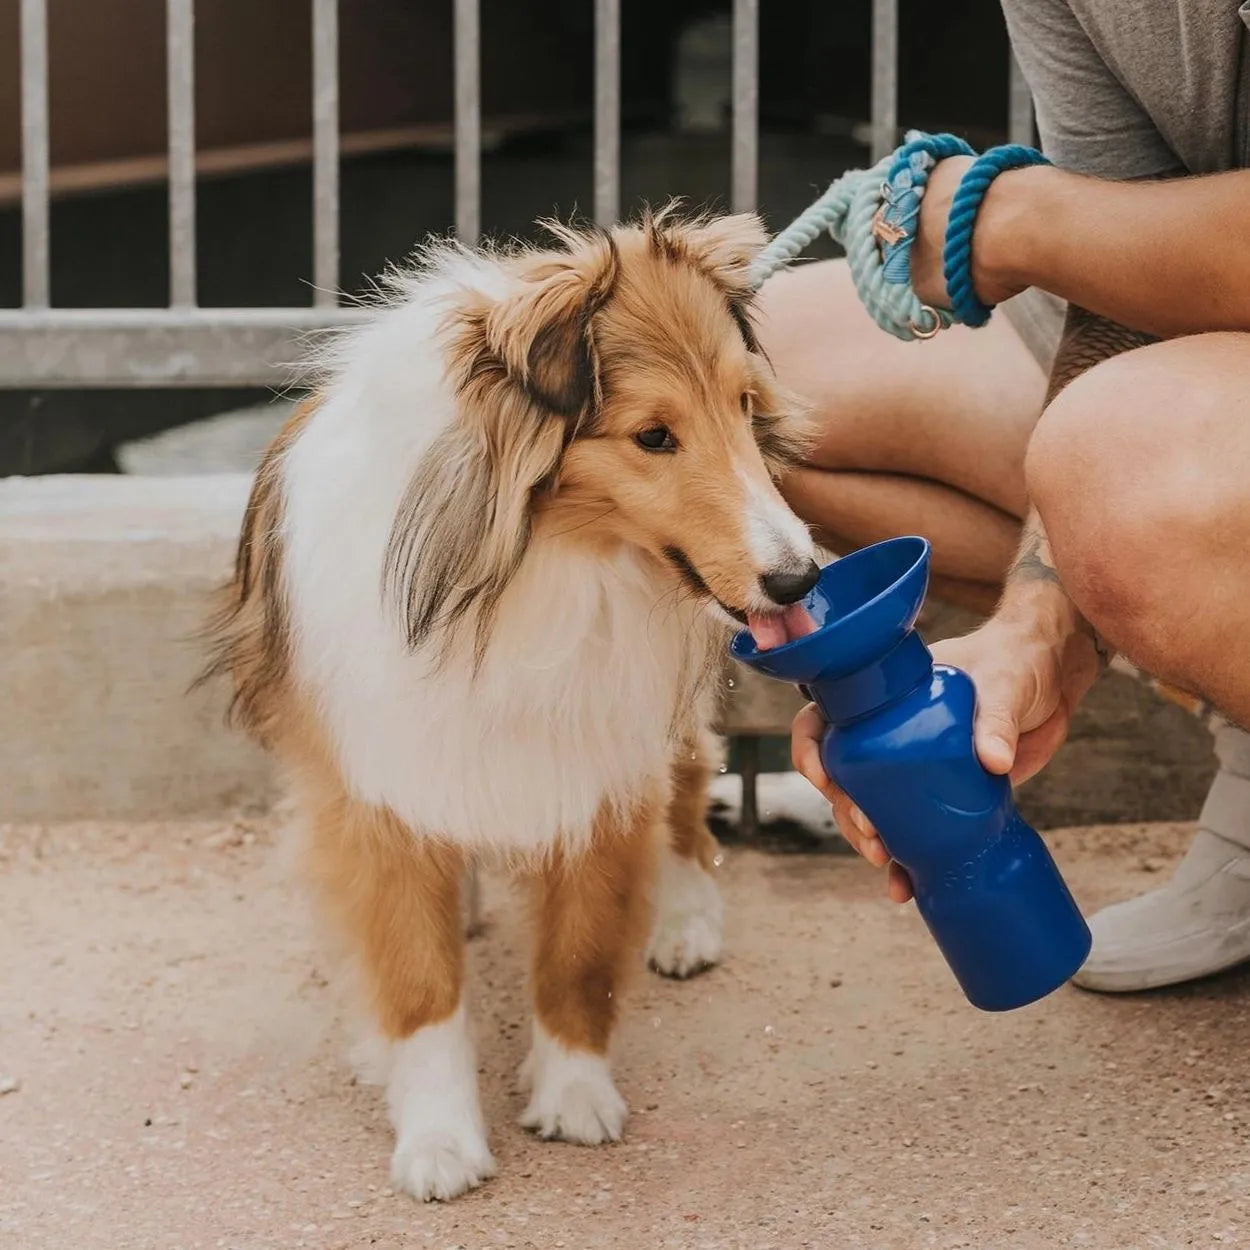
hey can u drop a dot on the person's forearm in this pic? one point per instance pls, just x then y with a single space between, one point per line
1169 257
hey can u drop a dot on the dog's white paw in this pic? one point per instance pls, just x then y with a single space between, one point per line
689 918
441 1166
572 1096
441 1148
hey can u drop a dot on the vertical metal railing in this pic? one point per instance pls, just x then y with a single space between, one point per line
884 116
607 159
468 120
325 111
180 71
34 68
189 345
744 174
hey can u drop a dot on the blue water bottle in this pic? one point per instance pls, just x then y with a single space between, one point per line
900 744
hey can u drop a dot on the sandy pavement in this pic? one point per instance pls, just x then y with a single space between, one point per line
178 1050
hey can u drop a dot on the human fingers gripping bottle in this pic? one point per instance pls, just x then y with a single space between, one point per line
900 744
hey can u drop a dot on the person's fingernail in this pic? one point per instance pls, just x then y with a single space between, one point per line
859 820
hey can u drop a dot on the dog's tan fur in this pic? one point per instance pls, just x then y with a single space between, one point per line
590 918
549 396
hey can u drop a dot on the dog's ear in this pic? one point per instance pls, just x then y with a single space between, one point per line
525 374
543 332
463 526
724 248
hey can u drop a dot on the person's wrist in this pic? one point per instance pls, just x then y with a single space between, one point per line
1041 609
1009 242
1041 620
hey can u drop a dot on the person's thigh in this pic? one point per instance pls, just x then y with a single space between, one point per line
1141 472
956 409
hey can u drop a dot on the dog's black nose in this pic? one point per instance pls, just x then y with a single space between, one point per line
783 587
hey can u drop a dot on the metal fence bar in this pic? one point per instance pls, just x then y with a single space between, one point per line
180 71
607 111
746 101
34 54
325 18
884 77
1019 104
468 76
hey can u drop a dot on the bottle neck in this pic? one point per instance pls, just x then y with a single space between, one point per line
884 681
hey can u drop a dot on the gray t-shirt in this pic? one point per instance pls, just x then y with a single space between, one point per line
1137 88
1131 89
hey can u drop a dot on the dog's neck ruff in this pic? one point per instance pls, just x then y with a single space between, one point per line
523 749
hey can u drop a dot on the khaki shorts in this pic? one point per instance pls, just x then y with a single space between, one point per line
1037 317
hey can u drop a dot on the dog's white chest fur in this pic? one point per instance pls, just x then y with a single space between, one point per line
591 663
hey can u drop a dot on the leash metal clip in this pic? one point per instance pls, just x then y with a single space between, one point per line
886 233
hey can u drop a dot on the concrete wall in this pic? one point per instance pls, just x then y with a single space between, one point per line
104 583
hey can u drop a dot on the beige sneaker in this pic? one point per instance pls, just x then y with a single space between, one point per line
1197 924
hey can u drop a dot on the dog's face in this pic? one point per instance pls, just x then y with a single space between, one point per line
685 412
615 393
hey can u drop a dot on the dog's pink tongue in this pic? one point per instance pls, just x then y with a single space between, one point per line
773 630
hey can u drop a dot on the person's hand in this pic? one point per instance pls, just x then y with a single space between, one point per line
805 735
991 283
1028 683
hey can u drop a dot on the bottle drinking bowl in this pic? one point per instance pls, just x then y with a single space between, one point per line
900 744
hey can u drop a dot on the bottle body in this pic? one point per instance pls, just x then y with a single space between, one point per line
900 744
984 881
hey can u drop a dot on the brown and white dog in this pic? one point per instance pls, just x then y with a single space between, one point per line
471 615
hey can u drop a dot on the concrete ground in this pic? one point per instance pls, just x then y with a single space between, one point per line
172 1044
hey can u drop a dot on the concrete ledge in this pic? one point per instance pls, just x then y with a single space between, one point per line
104 583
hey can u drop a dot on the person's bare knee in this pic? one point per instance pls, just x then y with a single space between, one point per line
1133 515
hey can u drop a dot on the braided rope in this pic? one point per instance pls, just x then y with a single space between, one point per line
849 210
907 181
969 309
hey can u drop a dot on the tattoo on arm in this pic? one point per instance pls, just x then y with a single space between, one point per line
1087 340
1033 563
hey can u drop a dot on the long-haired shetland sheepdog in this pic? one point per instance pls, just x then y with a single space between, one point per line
484 578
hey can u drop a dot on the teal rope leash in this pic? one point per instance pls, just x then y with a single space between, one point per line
967 306
873 214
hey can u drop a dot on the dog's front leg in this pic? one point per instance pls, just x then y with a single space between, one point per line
689 914
592 910
398 896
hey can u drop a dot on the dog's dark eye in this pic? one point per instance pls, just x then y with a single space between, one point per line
746 403
657 438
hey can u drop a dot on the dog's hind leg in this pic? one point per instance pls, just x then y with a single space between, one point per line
686 933
591 914
398 899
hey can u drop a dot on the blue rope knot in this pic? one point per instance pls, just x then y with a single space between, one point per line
873 214
967 306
